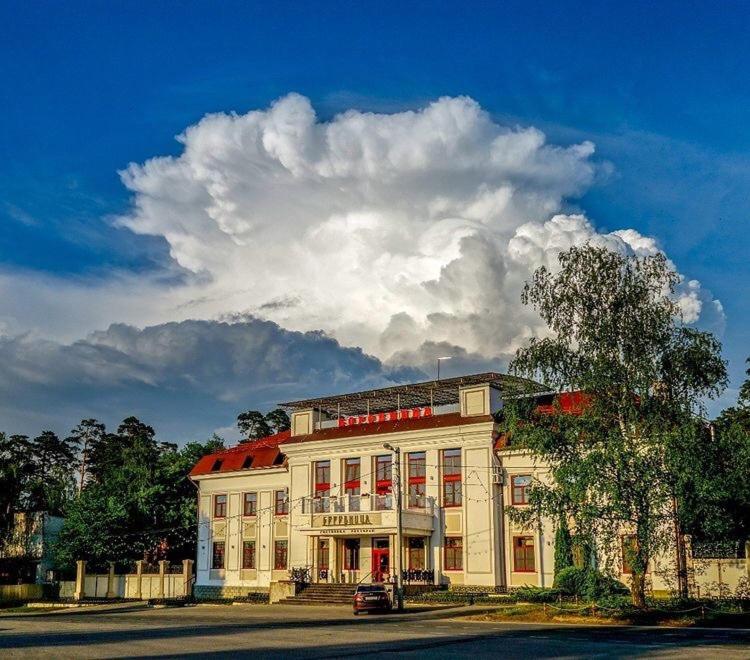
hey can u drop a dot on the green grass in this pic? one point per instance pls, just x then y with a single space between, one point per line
709 616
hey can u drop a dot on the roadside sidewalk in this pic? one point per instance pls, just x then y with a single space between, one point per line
74 608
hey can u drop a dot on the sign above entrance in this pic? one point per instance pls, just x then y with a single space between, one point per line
351 523
347 519
390 416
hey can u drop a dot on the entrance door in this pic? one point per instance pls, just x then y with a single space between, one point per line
323 547
381 566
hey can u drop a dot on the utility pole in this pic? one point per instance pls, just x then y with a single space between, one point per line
399 536
439 360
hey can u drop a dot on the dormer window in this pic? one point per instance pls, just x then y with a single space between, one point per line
247 463
279 459
217 465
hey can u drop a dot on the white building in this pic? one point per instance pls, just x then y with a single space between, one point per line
322 497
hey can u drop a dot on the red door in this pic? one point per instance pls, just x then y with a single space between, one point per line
381 567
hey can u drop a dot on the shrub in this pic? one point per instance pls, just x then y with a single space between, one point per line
621 604
588 583
597 585
457 597
536 595
570 581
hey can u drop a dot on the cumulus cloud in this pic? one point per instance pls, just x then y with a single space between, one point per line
185 378
388 231
409 235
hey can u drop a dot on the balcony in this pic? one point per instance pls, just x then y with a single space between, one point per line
365 515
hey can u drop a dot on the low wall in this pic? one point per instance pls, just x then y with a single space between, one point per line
127 586
67 589
720 578
282 589
169 582
14 593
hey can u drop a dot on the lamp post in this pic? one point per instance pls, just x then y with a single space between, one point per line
397 488
439 360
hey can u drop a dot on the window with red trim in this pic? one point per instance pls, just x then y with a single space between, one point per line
280 555
383 474
281 502
217 555
250 504
417 469
383 481
454 553
519 487
248 554
523 554
351 476
220 506
322 485
452 486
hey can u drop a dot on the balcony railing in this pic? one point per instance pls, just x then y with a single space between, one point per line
359 503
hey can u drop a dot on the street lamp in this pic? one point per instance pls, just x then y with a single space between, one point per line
397 488
439 360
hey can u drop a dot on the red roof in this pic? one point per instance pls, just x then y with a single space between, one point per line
265 453
394 426
571 403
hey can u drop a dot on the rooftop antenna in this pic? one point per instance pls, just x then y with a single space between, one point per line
439 360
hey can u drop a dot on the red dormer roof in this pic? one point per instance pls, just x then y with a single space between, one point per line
569 403
253 455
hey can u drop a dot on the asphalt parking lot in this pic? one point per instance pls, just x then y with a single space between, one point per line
259 631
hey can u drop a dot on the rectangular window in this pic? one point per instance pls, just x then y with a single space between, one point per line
416 554
281 507
629 545
523 554
520 484
383 474
220 506
454 553
452 486
383 482
351 476
417 468
322 486
351 554
248 554
217 555
279 555
250 506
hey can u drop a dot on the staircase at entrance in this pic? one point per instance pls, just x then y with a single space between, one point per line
323 594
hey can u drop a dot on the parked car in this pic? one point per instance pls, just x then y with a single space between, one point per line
371 597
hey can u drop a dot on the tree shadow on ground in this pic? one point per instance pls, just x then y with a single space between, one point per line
544 641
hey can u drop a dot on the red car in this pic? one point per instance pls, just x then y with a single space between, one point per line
371 597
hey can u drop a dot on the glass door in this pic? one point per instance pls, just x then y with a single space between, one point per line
323 559
381 563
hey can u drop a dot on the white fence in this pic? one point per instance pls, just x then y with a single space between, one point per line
141 585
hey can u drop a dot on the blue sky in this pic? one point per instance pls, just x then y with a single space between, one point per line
661 90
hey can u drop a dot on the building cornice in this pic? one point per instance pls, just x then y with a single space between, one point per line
467 433
240 473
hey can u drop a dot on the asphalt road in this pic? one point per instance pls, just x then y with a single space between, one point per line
275 631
